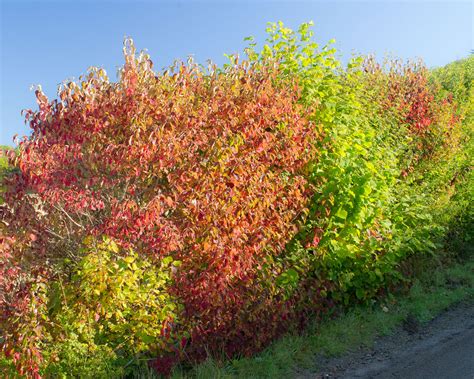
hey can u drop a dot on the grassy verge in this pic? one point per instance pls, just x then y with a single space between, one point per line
431 293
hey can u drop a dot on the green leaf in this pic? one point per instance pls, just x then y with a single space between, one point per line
166 261
341 213
129 259
146 338
288 277
360 293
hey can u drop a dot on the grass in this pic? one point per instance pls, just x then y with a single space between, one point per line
430 294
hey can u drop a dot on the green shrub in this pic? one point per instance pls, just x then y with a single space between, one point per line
112 311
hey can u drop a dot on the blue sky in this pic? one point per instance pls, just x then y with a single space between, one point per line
45 42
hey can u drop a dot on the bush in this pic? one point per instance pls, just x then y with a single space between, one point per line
205 168
114 307
168 216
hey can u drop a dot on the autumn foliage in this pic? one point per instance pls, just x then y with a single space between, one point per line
403 89
205 168
200 211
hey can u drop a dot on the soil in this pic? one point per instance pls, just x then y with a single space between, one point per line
443 348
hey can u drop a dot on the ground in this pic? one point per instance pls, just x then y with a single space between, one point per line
443 348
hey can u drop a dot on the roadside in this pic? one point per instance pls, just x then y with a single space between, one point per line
444 348
389 339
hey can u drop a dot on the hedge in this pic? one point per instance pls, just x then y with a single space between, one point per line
202 211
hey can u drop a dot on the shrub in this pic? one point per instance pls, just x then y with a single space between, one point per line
390 150
207 168
249 197
114 308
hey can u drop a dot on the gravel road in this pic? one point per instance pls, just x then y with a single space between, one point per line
444 348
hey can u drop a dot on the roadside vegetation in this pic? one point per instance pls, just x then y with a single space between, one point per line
358 326
176 223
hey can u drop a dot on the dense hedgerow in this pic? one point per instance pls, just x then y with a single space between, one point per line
456 81
197 211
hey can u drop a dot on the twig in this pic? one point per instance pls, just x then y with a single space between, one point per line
68 216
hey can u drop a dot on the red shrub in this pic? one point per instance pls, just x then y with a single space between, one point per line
404 90
206 167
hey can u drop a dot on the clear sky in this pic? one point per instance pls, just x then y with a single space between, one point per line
45 42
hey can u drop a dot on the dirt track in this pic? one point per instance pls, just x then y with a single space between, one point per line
442 349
